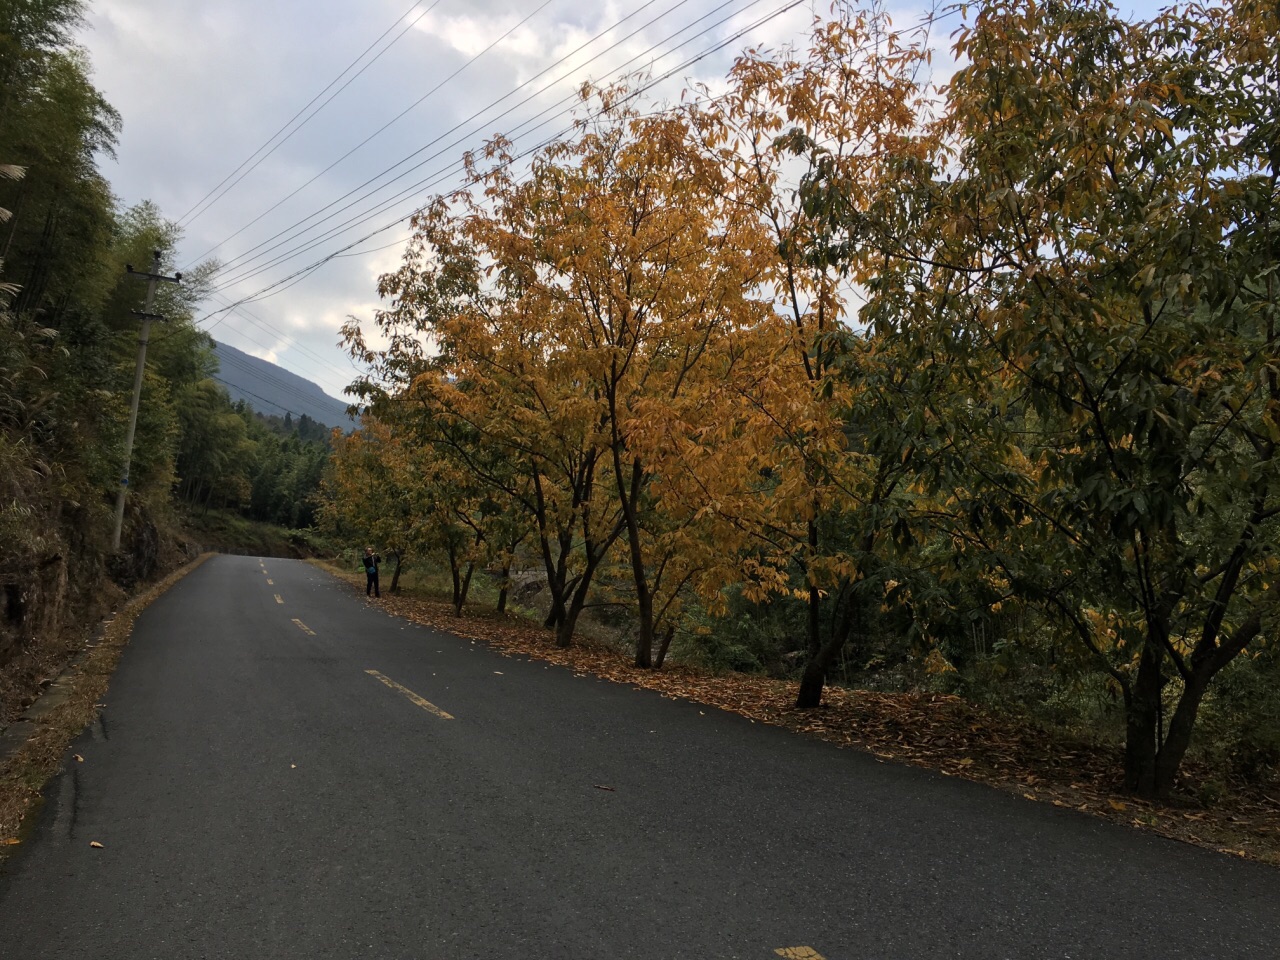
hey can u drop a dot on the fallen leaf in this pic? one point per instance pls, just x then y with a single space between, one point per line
12 842
601 786
79 759
293 766
499 673
95 844
1116 805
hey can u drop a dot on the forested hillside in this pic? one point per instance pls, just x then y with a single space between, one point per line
271 389
971 387
68 340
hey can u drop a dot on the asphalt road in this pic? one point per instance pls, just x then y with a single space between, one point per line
283 771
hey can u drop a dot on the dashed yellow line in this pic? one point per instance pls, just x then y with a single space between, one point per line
271 582
413 697
279 599
303 627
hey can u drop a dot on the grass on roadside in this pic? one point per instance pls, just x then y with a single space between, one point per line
226 530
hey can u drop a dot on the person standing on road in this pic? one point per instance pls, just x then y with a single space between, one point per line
371 561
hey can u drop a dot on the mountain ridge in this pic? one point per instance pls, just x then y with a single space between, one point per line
271 389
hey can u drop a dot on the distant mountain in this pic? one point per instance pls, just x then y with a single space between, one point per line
274 390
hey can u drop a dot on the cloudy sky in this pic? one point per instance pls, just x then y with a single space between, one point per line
282 132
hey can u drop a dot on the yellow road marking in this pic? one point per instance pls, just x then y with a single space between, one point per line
798 953
303 627
413 697
279 599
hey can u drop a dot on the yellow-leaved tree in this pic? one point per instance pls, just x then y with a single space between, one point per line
810 458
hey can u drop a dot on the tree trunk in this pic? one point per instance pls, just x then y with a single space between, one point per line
1178 739
557 568
555 616
456 577
395 575
564 631
814 677
460 599
1142 721
815 670
664 647
628 494
644 638
506 586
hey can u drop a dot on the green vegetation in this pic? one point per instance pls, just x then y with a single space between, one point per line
229 531
233 458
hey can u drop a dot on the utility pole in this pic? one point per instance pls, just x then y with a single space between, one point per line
152 278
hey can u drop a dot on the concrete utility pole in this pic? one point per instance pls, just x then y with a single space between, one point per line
147 316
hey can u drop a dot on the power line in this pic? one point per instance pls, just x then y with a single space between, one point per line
310 356
246 254
473 117
303 372
272 403
382 206
282 385
643 89
188 217
298 276
361 253
389 123
282 336
305 271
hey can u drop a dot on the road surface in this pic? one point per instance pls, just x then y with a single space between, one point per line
283 771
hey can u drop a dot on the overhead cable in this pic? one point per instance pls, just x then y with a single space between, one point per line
383 205
202 207
294 277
